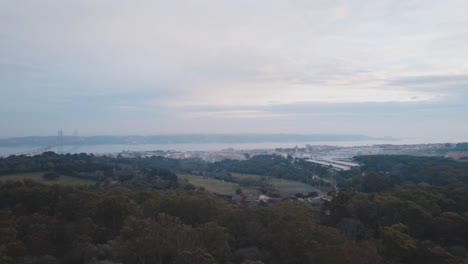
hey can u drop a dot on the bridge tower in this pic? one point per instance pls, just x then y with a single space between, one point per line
60 142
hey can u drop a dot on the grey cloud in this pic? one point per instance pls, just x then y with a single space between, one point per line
345 109
145 66
430 79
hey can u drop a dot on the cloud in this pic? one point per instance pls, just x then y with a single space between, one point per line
431 80
235 114
281 62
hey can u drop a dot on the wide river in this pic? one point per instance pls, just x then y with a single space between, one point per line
110 148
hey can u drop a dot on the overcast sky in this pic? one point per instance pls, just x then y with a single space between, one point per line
381 68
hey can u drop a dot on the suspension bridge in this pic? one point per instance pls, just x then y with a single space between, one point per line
58 146
34 151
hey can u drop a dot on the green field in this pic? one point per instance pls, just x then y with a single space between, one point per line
285 187
38 177
290 188
210 184
251 176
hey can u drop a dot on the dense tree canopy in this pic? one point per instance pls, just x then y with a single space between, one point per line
384 215
383 172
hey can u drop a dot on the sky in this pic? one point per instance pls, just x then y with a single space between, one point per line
114 67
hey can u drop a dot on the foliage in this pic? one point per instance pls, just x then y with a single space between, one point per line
140 213
105 170
384 172
50 176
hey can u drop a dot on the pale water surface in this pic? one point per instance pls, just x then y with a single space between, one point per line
111 148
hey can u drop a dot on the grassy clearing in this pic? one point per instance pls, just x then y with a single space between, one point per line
286 187
240 176
212 185
67 180
290 188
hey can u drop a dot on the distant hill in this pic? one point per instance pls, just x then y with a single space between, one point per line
183 139
462 146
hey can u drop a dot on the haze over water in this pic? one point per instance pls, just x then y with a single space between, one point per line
116 148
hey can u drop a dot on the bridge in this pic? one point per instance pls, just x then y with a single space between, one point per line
32 152
59 145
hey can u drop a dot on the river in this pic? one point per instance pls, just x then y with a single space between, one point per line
116 148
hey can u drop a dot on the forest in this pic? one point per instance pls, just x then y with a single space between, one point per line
380 173
139 212
102 167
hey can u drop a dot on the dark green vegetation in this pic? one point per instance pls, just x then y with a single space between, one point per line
462 146
139 212
39 176
85 225
413 224
159 172
104 171
272 165
380 173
